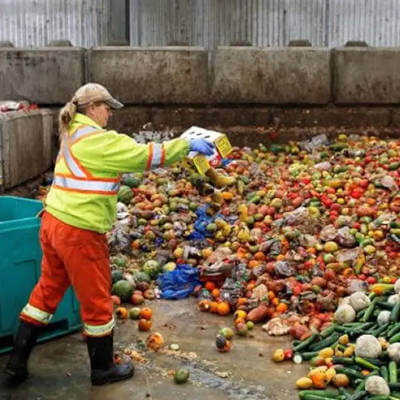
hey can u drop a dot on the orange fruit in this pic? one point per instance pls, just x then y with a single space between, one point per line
259 256
253 263
210 286
121 312
146 313
281 307
215 293
223 308
144 325
214 307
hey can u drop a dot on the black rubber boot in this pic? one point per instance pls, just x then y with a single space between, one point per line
103 369
17 366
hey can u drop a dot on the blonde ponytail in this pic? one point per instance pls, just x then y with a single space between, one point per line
66 116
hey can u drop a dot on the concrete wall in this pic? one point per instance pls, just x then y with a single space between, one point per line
271 76
189 75
366 75
147 76
43 76
26 146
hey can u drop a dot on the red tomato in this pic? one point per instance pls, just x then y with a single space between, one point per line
357 193
371 280
335 207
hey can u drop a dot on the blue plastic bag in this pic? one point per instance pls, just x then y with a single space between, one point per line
200 225
179 283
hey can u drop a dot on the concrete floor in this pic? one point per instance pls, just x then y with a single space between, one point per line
60 368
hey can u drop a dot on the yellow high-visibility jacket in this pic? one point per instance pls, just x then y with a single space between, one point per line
88 168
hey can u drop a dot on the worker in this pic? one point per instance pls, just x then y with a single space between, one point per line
79 209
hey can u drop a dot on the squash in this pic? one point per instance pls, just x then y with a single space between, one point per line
125 194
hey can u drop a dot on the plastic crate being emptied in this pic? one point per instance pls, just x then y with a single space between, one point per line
20 259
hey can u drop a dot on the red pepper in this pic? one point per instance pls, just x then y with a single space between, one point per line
371 280
288 353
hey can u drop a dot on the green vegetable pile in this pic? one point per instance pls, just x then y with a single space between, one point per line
366 351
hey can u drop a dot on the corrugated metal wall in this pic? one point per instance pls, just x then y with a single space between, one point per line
37 22
206 23
209 23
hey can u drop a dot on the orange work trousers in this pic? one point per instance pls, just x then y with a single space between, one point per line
77 257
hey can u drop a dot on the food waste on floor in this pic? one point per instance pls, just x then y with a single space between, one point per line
278 235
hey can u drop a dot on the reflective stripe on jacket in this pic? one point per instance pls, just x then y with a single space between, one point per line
87 170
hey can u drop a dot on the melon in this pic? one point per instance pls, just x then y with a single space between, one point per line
151 268
132 181
125 194
123 290
116 275
141 276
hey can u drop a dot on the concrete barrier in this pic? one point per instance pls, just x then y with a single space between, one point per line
43 76
366 75
26 146
152 75
271 75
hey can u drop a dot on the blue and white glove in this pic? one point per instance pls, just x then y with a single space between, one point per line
201 146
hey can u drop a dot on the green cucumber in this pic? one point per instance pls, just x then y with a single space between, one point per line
345 395
375 361
343 329
395 314
325 394
394 386
327 342
379 331
308 355
305 343
395 338
359 395
395 329
392 368
385 305
349 372
384 373
328 331
379 397
361 313
343 360
369 310
365 364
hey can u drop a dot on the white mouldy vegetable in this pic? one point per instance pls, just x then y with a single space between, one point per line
394 298
383 317
359 301
368 346
394 351
377 385
345 313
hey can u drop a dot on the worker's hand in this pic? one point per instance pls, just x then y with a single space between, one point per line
201 146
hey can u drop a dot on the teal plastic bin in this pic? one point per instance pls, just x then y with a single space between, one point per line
20 260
